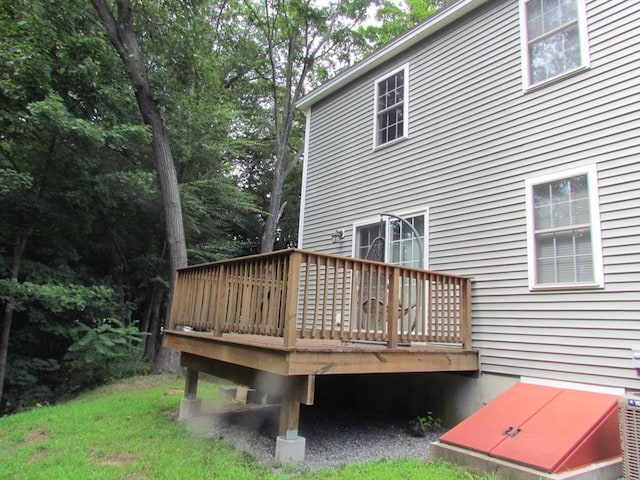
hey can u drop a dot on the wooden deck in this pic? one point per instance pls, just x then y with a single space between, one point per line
275 321
321 357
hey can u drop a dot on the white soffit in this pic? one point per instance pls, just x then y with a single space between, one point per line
429 27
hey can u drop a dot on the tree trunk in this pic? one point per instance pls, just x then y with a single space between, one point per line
153 326
18 251
122 36
276 208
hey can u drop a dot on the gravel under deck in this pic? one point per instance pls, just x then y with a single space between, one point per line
334 436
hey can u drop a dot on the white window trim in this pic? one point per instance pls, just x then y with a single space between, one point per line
524 48
403 213
405 113
596 237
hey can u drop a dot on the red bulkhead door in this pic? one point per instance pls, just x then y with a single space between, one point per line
572 430
500 418
547 428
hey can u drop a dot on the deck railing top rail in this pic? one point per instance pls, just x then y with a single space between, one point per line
299 294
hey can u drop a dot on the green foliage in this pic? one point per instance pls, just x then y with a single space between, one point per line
56 298
11 181
420 425
103 353
59 345
394 18
34 381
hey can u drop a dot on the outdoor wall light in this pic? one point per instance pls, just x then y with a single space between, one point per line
337 236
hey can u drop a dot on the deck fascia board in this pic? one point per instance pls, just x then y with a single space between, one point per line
321 357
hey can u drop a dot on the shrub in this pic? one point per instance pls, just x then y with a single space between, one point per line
420 425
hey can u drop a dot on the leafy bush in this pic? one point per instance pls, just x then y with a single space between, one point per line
102 353
420 425
30 381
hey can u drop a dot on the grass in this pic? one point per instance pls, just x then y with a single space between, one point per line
128 431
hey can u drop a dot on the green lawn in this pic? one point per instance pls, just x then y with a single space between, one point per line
128 431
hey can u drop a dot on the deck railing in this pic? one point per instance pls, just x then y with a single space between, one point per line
298 294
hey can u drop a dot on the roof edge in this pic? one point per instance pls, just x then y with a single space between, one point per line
430 26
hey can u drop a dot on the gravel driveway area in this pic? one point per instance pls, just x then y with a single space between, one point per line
334 436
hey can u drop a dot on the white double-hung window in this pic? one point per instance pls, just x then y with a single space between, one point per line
563 224
391 107
554 39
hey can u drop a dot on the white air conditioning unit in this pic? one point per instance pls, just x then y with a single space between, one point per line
629 409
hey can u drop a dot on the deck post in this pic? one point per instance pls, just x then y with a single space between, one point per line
190 404
392 311
291 301
465 313
289 445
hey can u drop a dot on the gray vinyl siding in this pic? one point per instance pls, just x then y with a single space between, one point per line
474 138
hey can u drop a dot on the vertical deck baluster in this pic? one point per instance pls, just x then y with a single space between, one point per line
206 291
325 298
283 265
243 273
229 309
405 311
192 298
334 296
424 305
465 313
392 308
264 299
199 301
272 295
252 281
316 303
343 298
446 321
381 309
305 296
220 309
433 308
440 309
361 326
186 304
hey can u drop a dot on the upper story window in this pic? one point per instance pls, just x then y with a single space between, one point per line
554 38
391 107
563 223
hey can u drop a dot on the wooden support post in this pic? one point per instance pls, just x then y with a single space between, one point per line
190 405
291 299
289 445
191 384
289 418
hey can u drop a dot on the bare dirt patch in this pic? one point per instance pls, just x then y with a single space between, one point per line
115 459
36 435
